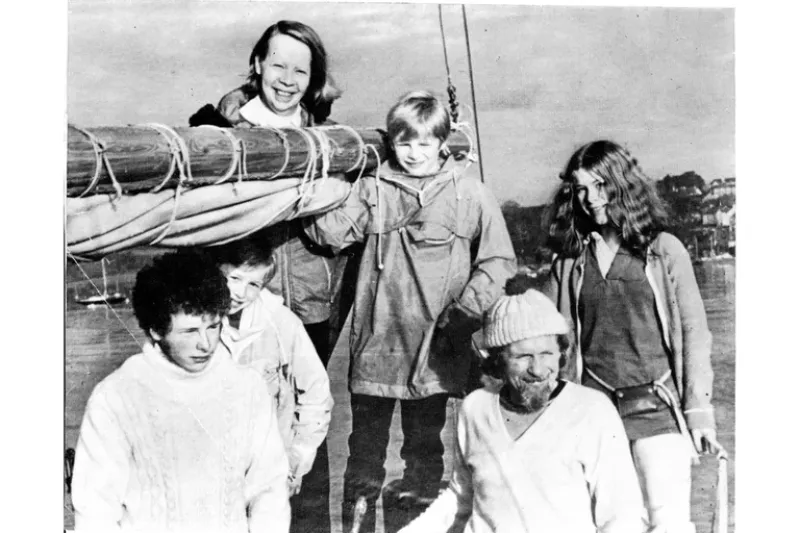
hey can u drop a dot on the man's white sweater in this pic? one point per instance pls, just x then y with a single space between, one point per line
570 472
162 449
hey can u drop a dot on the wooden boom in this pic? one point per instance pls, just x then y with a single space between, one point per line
142 158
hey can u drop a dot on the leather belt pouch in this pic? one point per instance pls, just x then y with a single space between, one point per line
637 400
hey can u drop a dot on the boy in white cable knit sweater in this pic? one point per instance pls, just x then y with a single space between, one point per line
180 438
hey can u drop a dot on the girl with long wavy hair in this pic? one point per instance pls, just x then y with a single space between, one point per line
641 330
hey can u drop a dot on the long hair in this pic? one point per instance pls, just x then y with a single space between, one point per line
634 207
322 90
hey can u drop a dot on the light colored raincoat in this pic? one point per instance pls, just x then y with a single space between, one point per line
437 255
272 340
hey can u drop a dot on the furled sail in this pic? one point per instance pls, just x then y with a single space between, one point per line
161 186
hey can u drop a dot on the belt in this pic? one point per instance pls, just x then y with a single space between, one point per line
666 396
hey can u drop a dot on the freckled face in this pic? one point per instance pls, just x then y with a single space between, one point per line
592 196
285 74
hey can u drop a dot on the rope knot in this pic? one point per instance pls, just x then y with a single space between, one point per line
101 161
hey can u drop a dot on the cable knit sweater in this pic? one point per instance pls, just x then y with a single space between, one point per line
162 449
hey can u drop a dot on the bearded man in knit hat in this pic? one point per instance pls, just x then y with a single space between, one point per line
535 453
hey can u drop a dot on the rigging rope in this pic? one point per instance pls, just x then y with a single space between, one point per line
318 162
101 161
451 89
179 159
179 153
472 90
286 150
362 151
96 288
311 167
238 156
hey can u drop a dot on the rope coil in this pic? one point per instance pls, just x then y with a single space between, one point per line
101 161
362 151
311 168
286 150
305 188
238 156
179 155
180 160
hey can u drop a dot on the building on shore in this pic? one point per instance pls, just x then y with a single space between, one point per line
703 215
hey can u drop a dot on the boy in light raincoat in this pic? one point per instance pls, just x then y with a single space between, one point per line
260 332
437 254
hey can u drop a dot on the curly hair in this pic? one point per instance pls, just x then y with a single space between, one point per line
322 90
186 281
634 207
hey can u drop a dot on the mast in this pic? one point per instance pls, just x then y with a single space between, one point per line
105 279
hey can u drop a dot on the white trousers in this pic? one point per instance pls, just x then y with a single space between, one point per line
664 466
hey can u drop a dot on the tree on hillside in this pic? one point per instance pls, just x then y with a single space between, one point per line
687 184
683 196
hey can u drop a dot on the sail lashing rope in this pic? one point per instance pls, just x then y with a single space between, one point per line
101 161
451 90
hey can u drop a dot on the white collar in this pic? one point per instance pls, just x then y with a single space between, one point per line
260 115
255 318
156 358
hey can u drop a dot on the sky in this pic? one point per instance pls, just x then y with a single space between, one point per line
660 81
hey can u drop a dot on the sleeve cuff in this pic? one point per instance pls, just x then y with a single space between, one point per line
700 418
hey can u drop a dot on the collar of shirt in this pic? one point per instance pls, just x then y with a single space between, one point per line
602 253
175 374
260 115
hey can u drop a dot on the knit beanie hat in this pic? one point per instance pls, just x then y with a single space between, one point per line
522 316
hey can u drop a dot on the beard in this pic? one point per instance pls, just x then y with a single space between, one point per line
528 396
